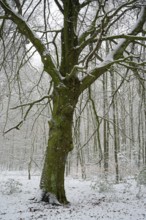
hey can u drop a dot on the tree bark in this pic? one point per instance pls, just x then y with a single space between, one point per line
115 131
105 127
59 144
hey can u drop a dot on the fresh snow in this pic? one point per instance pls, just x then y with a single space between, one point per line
87 202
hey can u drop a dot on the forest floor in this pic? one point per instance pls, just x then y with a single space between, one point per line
88 200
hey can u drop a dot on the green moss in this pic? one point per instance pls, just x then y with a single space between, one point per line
59 144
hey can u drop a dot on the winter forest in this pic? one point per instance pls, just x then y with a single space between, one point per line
73 102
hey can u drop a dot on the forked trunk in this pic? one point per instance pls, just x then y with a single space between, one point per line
59 144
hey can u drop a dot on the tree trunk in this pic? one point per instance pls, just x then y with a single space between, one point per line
59 144
105 126
115 132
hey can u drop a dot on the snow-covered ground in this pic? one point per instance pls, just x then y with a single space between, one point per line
87 202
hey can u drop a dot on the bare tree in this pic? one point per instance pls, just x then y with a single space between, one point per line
67 59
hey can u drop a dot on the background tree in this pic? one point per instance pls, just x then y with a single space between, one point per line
67 57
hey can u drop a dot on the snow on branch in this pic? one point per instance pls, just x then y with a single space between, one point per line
115 56
24 29
87 2
130 37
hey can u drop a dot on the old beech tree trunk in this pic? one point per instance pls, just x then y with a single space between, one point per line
65 97
60 141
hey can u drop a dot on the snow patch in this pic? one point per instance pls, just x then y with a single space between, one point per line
86 202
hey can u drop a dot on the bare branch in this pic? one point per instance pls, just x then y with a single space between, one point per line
31 104
59 6
115 55
124 36
19 6
87 2
24 29
17 127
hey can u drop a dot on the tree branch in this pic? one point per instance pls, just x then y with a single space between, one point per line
114 56
24 29
31 104
87 2
128 37
19 6
17 127
59 6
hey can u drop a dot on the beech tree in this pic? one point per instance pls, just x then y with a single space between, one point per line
67 53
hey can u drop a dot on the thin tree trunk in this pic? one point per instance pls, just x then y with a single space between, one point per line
131 129
144 137
116 148
98 123
105 126
139 136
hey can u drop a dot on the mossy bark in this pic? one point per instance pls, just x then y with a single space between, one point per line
59 143
65 97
